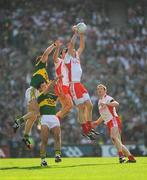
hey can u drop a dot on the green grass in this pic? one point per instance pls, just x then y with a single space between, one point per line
73 169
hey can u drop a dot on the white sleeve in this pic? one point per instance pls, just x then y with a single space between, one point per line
109 99
67 58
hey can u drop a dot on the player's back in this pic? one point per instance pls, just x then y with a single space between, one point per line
40 72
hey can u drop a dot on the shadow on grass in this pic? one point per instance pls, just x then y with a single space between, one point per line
54 166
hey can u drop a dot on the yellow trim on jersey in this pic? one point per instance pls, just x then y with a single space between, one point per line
47 102
43 73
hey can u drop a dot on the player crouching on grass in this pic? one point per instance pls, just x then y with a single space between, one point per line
49 121
107 108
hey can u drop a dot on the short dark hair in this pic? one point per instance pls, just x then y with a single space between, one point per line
65 49
39 85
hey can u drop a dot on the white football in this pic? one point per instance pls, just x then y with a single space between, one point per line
81 27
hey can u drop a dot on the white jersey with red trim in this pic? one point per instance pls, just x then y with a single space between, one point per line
107 112
74 67
61 69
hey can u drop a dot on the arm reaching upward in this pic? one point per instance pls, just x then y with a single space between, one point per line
71 45
56 53
46 53
82 44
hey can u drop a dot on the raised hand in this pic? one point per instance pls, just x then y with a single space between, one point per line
74 29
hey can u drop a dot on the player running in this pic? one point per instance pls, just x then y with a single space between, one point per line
78 92
49 121
62 88
107 108
39 74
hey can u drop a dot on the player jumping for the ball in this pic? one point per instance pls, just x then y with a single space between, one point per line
62 87
39 74
107 108
78 92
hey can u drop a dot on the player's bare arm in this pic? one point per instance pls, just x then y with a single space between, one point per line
46 53
71 45
56 53
97 122
113 103
82 44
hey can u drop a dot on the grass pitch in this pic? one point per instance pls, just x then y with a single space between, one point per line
73 169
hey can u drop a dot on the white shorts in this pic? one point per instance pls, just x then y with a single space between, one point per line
85 98
50 121
79 93
31 93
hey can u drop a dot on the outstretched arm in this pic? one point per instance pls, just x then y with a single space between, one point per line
82 44
113 103
56 53
97 122
71 45
46 53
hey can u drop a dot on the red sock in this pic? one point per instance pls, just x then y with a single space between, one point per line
85 128
120 153
131 157
89 125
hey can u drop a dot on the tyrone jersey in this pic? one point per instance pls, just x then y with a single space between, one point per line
74 67
61 69
107 112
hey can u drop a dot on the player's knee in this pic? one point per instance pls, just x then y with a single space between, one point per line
81 106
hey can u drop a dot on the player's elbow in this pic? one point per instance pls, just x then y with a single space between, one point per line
116 104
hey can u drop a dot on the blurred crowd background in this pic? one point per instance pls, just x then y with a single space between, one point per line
115 54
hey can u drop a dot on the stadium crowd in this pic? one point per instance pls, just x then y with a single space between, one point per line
114 56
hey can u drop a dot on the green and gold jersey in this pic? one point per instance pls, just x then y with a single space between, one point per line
40 74
47 103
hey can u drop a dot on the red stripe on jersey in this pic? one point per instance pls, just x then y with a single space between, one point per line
58 71
111 110
69 71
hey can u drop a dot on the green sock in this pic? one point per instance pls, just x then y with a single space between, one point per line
42 154
57 152
26 136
